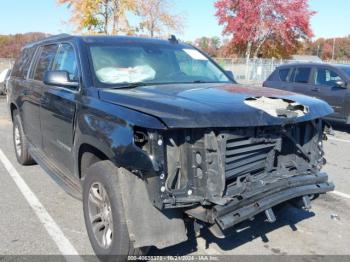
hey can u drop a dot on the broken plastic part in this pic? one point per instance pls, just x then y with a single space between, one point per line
307 202
270 215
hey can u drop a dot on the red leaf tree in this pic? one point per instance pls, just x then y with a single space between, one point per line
256 25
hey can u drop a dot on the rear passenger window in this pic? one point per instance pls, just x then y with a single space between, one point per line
284 74
302 75
21 67
45 60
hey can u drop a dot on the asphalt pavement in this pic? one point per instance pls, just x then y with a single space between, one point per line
39 218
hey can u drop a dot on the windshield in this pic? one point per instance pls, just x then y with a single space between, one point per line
346 69
153 64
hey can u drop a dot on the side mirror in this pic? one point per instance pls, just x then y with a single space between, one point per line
59 78
341 84
230 74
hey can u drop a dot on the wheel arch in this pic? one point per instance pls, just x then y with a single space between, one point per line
87 156
13 108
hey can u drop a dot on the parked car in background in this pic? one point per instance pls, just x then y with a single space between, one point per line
328 82
4 75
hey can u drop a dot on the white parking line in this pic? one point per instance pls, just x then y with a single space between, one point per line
63 244
338 139
341 194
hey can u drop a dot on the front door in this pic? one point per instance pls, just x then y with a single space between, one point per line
325 88
58 111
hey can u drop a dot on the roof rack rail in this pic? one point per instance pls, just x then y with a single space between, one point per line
56 36
52 37
173 39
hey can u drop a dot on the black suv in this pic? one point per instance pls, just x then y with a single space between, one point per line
328 82
148 132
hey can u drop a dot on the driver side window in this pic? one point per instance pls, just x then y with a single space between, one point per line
66 60
326 77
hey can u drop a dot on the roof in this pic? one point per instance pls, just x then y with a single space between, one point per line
341 65
314 64
99 39
302 64
306 58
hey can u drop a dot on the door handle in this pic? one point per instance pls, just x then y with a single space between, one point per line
315 89
44 100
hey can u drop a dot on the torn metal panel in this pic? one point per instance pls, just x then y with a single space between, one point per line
278 107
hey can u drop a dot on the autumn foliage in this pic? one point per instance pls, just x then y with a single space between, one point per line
111 16
267 27
100 16
324 48
210 45
158 17
11 45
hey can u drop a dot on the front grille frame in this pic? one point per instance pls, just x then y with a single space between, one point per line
225 173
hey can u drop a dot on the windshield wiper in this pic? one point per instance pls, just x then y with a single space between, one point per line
130 85
200 82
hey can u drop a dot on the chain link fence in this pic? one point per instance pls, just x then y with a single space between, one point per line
256 71
6 63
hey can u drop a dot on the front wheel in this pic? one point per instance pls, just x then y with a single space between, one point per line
104 213
20 142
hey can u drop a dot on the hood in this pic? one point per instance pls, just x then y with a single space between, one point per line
210 105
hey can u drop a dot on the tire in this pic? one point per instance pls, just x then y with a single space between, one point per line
20 142
101 182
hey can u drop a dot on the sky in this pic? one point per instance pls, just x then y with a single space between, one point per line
20 16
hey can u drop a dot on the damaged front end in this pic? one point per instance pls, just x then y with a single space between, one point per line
224 176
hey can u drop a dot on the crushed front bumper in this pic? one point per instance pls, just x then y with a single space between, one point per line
233 213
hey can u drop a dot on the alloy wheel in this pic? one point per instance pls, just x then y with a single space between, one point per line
100 215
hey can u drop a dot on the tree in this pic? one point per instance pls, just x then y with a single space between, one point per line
120 21
11 45
324 48
255 25
157 18
102 16
209 45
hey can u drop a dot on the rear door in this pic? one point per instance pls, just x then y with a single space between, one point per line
33 93
280 79
17 91
325 88
300 80
58 110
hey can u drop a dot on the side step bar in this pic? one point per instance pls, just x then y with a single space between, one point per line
264 204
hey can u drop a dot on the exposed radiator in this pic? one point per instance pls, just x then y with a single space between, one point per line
246 156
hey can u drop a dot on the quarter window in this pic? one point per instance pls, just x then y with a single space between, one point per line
284 74
326 77
45 60
66 61
21 67
302 75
